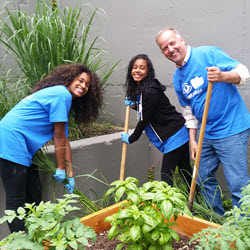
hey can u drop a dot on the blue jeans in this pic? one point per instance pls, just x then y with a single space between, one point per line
232 153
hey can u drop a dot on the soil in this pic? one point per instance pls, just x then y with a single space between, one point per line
103 243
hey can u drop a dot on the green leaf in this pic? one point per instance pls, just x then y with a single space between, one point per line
155 235
147 196
135 231
134 197
167 209
149 220
132 179
146 228
167 246
119 193
111 232
21 211
73 244
119 246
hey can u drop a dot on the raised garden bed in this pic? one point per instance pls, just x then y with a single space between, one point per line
187 226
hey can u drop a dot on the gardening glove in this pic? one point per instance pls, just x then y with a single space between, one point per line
71 185
125 137
129 102
59 175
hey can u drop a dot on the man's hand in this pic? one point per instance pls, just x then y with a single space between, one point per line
214 74
193 149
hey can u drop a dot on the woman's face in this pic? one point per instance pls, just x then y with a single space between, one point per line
139 70
80 86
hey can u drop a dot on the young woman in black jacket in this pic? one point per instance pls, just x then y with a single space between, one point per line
163 125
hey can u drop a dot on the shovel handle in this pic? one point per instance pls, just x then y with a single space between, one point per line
124 144
199 147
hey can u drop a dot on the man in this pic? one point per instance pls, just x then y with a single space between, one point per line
228 121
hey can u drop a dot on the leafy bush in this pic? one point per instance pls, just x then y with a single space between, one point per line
234 233
46 226
143 222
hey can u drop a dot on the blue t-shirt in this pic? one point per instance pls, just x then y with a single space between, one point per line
228 114
30 124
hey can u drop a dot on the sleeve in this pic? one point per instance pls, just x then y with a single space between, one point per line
191 121
59 108
149 103
223 60
243 73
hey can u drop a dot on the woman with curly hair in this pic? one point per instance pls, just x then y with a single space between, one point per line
164 126
35 120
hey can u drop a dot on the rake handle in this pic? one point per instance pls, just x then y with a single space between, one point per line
124 144
199 147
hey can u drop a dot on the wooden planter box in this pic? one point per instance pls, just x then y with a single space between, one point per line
187 226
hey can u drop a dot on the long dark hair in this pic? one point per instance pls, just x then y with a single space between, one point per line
85 109
131 86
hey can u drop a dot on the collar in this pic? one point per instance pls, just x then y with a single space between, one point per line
186 57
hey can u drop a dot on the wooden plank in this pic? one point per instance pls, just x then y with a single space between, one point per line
96 220
186 225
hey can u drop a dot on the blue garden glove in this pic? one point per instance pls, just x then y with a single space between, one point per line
59 175
70 187
129 102
125 137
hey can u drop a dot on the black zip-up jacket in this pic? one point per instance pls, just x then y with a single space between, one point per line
158 112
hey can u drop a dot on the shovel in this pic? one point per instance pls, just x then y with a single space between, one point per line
124 145
199 147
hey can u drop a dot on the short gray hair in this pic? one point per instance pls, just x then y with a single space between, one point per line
168 28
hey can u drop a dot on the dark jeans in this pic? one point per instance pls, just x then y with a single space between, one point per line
178 157
22 185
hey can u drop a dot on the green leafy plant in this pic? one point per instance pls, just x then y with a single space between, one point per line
47 225
234 233
51 37
143 222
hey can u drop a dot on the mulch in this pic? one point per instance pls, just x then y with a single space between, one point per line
103 243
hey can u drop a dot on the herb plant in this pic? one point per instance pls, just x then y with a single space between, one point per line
143 222
48 226
234 233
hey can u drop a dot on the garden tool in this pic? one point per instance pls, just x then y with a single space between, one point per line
124 144
199 147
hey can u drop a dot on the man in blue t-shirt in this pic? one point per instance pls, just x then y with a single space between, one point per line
228 122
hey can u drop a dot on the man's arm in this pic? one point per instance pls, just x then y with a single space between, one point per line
192 125
238 76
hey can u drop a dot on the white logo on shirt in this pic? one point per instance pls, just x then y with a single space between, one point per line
197 82
186 88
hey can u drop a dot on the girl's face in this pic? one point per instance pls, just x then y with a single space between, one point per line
139 70
80 86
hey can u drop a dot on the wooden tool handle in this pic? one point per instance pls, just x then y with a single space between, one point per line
124 145
199 147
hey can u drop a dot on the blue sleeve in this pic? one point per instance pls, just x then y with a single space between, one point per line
59 108
223 60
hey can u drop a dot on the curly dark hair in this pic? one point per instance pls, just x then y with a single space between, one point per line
130 85
85 109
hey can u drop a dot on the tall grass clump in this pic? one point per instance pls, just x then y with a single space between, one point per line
51 37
